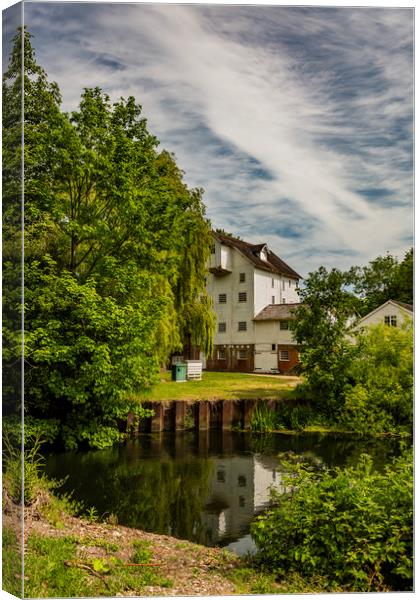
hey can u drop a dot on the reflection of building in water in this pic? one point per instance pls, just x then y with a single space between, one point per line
239 487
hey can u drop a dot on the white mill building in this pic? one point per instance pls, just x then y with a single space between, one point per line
254 293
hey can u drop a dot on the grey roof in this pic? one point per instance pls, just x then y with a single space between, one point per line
404 305
276 312
273 264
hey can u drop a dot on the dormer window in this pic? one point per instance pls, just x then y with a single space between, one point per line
263 254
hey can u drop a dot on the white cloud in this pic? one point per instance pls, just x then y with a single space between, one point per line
207 86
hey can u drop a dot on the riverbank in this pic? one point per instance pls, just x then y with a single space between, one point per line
70 556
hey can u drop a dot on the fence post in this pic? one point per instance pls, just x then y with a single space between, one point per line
180 410
203 415
157 418
227 414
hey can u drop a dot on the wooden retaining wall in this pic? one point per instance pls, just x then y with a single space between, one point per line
201 415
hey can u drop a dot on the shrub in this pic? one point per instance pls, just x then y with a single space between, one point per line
352 526
381 398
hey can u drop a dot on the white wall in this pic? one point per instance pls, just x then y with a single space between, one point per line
260 291
289 292
263 290
283 289
389 309
269 332
233 311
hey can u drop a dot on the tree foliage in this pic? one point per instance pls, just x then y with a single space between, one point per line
115 253
321 323
381 397
352 526
385 278
363 381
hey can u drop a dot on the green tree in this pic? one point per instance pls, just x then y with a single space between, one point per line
320 327
405 278
115 254
381 397
385 278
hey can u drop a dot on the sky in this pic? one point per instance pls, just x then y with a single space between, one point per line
296 121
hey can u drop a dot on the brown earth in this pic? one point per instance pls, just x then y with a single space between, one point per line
194 570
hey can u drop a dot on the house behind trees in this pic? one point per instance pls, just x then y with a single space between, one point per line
392 313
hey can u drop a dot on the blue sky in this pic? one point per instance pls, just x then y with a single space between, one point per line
297 122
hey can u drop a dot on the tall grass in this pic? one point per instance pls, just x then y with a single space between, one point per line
264 418
284 415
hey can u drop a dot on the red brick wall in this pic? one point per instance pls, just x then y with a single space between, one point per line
288 366
232 362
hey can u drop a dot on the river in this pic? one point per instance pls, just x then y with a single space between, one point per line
204 487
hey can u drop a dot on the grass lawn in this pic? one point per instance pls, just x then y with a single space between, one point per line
222 386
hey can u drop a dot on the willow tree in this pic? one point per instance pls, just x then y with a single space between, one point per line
115 259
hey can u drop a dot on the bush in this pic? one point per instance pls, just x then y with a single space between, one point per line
352 526
381 398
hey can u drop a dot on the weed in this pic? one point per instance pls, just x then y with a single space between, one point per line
112 519
55 509
92 515
263 418
57 570
45 560
252 581
12 562
142 552
182 546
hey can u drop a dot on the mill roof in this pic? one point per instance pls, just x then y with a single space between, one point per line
275 312
273 264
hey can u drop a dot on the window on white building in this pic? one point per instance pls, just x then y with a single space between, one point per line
273 347
290 283
284 284
284 300
241 481
242 326
272 282
241 354
391 320
284 325
221 354
213 249
222 328
241 277
284 355
222 298
273 299
242 296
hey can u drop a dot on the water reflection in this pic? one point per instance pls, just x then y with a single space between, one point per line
202 487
